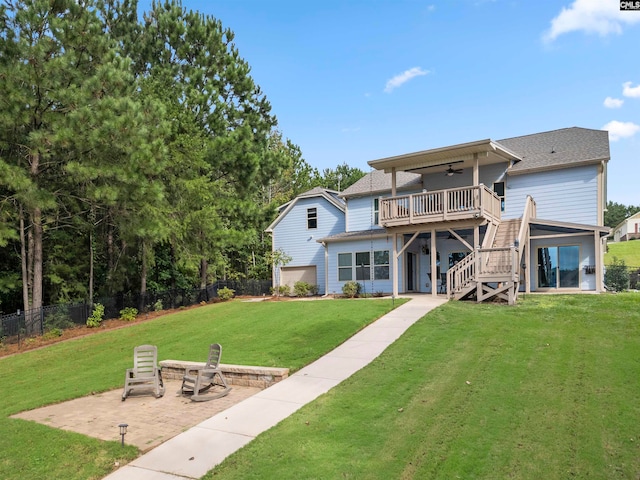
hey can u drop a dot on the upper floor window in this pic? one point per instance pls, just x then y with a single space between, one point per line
498 187
376 211
312 218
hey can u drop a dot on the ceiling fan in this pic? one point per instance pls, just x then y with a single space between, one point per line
450 171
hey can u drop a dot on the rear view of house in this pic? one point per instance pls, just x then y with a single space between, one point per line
478 220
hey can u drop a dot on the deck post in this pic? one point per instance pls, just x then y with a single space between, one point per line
434 265
394 265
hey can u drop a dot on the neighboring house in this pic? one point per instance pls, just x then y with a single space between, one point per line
628 229
478 220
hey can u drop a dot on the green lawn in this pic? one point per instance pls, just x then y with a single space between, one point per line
627 251
283 334
547 389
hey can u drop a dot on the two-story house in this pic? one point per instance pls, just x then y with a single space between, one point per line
477 220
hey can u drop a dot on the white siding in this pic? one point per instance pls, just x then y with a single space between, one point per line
296 240
569 195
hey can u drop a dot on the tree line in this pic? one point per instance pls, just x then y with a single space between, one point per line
617 212
137 153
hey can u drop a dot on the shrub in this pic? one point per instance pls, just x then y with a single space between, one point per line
226 293
53 333
128 314
616 277
301 289
351 289
158 306
60 319
96 316
281 290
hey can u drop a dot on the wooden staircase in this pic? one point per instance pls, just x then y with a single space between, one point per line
493 271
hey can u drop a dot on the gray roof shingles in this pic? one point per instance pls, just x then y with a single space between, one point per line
378 181
539 151
558 148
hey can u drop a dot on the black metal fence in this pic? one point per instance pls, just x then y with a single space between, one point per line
16 326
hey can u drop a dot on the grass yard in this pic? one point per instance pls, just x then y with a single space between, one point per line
627 251
547 389
282 334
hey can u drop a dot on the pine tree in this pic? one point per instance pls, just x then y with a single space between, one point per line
69 117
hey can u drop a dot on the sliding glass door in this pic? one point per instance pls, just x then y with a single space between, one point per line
559 267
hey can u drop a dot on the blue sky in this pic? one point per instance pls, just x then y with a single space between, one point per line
353 81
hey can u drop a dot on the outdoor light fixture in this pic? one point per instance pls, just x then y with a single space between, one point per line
123 431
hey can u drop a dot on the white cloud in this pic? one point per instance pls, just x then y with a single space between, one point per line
629 91
618 130
404 77
591 16
613 102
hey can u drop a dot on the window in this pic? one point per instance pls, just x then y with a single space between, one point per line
362 269
455 257
381 265
376 211
363 266
498 187
312 218
559 267
345 267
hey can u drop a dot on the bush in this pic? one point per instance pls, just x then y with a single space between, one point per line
128 314
616 277
53 333
59 320
96 316
226 293
281 290
351 289
158 306
301 289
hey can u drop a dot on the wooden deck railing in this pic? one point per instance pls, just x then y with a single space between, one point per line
439 206
484 265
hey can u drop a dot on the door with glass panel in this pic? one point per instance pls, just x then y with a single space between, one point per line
559 267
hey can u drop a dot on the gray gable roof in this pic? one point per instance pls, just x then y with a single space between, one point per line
558 149
377 181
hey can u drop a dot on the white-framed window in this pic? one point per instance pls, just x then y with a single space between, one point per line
357 265
363 266
345 267
312 218
381 265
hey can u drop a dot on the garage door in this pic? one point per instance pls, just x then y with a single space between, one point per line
291 275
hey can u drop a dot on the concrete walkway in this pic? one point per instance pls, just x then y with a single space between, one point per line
193 453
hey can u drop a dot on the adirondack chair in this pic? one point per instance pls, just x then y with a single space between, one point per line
145 372
197 381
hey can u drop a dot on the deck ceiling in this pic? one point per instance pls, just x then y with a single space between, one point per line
438 159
